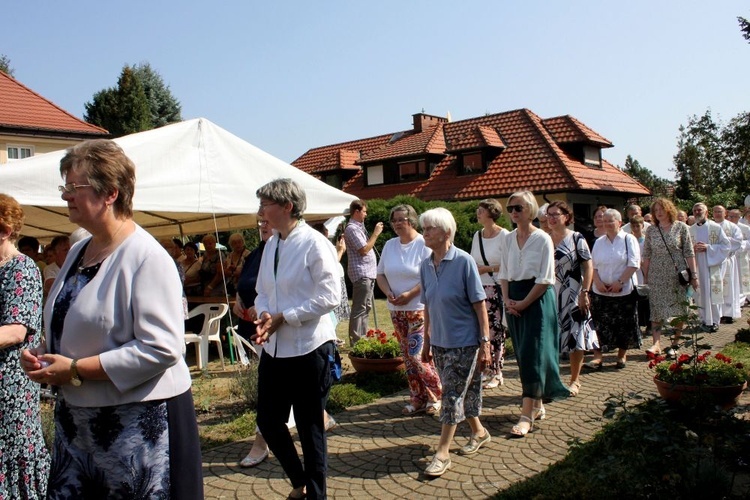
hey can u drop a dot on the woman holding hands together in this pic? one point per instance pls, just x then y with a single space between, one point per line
527 276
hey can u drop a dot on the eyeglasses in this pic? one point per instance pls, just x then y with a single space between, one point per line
553 216
426 229
262 222
71 187
515 208
262 205
396 221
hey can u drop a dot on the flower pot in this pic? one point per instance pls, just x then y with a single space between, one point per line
725 397
389 365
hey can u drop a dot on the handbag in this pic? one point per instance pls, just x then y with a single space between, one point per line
684 276
335 361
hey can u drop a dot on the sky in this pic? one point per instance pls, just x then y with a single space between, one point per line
288 76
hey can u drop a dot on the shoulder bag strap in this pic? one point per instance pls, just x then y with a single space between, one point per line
481 250
667 247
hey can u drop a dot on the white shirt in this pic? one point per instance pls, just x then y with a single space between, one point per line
399 263
627 229
612 257
51 271
494 248
536 259
305 288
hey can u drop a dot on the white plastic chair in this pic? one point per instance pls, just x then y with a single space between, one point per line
211 332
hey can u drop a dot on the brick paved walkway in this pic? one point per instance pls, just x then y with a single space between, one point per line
375 452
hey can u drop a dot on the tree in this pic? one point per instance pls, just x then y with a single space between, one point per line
657 185
744 28
5 65
121 110
735 138
141 101
164 107
698 161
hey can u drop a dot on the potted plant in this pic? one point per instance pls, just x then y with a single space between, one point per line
711 378
377 352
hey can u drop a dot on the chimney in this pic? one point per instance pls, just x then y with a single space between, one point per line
423 121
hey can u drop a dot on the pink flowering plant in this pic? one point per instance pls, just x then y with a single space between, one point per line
377 345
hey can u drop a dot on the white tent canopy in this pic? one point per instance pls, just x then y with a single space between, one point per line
190 176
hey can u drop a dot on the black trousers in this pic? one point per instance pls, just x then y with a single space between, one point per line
301 382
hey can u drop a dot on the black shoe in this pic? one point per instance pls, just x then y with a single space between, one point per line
726 320
714 328
707 328
671 352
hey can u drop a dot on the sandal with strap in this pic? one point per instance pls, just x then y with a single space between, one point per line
410 409
433 408
574 387
540 412
517 431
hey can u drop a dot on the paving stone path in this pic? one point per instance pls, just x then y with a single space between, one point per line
375 452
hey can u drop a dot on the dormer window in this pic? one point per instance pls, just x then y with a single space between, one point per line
474 162
413 171
592 156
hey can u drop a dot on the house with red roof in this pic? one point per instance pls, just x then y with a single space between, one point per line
31 124
491 156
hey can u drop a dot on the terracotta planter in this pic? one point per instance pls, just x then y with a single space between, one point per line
377 365
726 397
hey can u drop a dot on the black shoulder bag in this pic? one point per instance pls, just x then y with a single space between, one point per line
683 276
498 290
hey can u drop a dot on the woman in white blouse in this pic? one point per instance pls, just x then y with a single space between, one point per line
298 286
487 248
616 256
398 279
527 277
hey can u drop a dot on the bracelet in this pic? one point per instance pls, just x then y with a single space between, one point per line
584 290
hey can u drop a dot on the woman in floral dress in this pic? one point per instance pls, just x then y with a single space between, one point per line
668 244
24 461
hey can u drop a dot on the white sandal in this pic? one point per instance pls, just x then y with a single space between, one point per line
517 431
249 461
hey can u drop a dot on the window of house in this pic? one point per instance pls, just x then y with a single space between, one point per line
20 152
413 170
333 180
472 162
592 156
375 175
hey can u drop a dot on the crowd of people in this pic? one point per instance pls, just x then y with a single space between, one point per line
99 318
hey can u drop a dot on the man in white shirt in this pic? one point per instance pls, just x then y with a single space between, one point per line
743 255
730 310
60 246
711 248
631 212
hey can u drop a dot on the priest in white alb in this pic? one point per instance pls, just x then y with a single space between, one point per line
711 248
743 255
730 309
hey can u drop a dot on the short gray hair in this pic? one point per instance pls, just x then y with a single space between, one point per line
614 213
411 214
529 199
283 191
439 217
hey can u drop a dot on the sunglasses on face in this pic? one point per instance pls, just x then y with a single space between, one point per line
515 208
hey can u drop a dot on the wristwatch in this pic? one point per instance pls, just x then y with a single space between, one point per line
75 379
485 340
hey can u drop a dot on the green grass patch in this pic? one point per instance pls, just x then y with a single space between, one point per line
359 388
235 428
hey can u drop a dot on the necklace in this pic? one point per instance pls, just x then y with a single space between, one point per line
7 258
100 255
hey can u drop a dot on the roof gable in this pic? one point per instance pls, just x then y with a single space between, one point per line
566 129
24 109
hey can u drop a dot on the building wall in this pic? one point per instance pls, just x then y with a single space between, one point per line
40 145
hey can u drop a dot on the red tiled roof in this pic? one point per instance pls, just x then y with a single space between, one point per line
318 160
532 160
409 143
22 108
567 129
479 136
